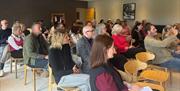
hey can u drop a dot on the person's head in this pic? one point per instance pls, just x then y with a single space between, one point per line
59 38
88 32
17 28
117 29
101 21
102 50
118 21
89 23
36 29
4 24
150 29
138 26
101 29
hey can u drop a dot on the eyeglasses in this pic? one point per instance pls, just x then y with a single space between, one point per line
90 31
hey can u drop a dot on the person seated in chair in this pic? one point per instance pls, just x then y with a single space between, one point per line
60 58
5 32
34 53
15 41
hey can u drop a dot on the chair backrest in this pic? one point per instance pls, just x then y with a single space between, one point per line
131 67
145 56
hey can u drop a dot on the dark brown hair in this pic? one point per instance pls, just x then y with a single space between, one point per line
147 27
98 55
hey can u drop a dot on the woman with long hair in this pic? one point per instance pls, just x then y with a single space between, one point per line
103 76
60 58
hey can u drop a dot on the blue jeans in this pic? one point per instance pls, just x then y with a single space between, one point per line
1 51
173 64
40 63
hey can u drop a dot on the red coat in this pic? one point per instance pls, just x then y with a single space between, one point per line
121 43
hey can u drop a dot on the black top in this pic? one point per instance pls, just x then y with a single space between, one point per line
4 34
61 61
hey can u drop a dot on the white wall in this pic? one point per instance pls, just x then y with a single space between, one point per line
155 11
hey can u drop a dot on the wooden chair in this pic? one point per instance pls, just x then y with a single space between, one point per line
145 56
52 83
155 75
14 60
159 76
34 76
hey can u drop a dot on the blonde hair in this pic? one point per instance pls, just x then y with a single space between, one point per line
116 29
57 38
17 26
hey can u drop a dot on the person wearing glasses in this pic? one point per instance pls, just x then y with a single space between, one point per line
83 47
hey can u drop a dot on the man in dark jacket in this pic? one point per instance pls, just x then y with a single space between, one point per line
5 32
83 47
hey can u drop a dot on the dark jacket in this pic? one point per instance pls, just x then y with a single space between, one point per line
108 68
61 61
4 34
83 48
33 49
139 38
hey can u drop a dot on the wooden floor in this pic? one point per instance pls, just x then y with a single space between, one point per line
9 83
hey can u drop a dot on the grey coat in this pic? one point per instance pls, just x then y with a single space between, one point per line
83 48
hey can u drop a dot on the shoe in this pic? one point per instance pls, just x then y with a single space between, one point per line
1 73
45 74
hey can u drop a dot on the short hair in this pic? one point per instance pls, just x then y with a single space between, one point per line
100 27
17 26
86 28
116 29
147 27
34 24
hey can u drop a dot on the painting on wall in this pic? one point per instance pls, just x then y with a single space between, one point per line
57 17
129 11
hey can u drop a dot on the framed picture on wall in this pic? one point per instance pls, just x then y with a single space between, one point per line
129 11
58 17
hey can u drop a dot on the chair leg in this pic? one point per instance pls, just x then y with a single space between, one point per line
11 65
50 83
34 79
25 74
16 68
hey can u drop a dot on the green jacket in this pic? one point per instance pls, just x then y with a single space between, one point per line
31 50
159 48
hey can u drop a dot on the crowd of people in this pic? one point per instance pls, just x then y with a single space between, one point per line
101 47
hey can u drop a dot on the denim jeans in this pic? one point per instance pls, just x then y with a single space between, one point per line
40 63
173 64
1 51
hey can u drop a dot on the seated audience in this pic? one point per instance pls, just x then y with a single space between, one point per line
138 35
121 42
15 41
103 76
83 47
101 29
34 54
159 48
60 58
5 32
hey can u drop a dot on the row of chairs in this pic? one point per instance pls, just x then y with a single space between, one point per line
51 82
149 74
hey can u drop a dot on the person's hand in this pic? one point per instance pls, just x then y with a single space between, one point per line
76 70
131 47
46 57
132 87
66 39
135 88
